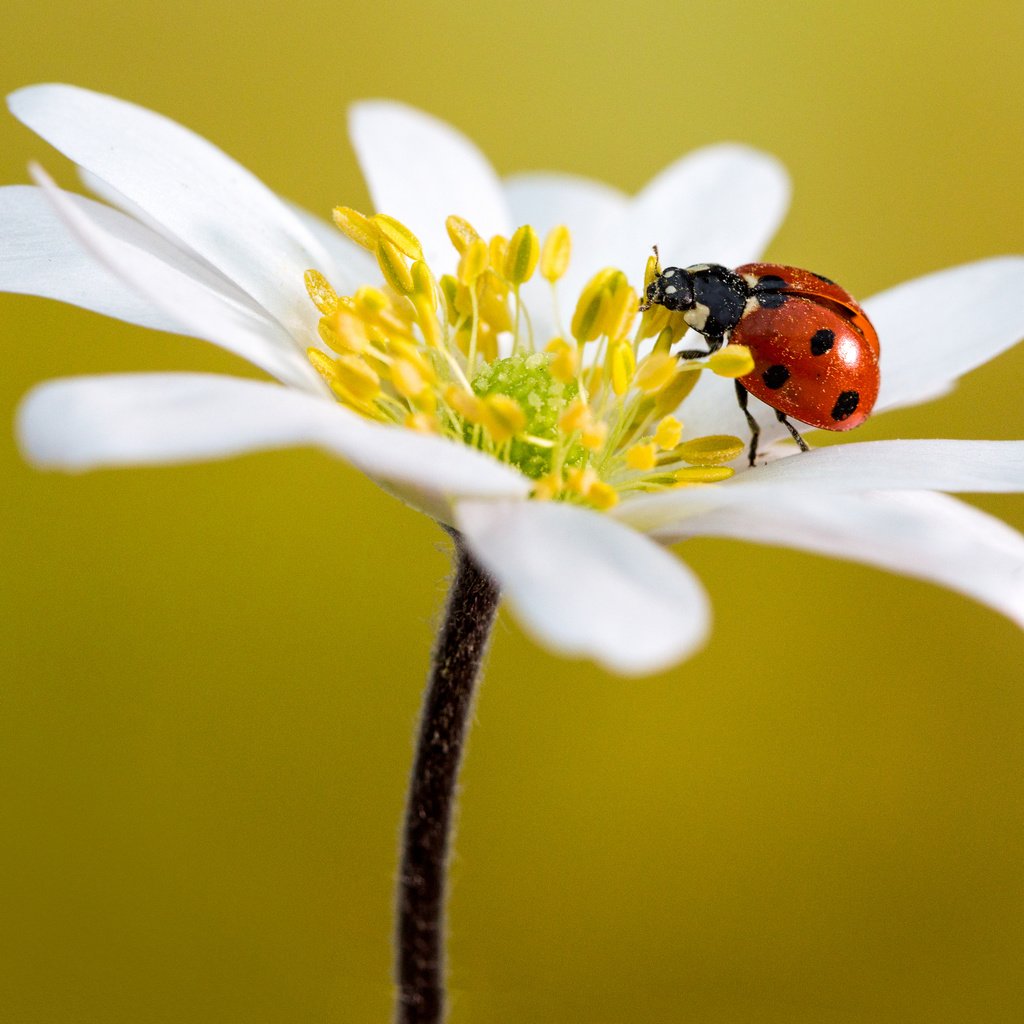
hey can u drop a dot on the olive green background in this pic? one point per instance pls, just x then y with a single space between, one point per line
210 674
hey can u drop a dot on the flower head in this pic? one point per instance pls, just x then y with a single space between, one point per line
475 346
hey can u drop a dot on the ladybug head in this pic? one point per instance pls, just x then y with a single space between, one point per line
672 288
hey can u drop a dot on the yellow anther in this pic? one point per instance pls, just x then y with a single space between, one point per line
656 372
504 417
671 396
421 422
710 451
450 288
323 364
487 342
565 360
603 496
641 456
669 433
465 403
473 262
370 301
594 435
547 487
554 257
344 332
732 361
461 233
651 271
580 480
423 283
398 235
622 365
665 340
492 305
702 474
619 314
427 319
498 249
407 379
653 321
576 417
358 378
360 229
393 267
586 320
521 258
319 289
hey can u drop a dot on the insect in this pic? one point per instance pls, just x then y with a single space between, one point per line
815 351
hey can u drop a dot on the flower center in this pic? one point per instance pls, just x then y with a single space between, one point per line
583 413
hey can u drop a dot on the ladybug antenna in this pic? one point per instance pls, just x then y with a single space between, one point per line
657 258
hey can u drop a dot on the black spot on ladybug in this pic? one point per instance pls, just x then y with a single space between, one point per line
771 300
822 341
846 405
768 291
775 376
822 277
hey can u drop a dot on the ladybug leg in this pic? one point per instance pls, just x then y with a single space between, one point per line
755 430
714 344
792 430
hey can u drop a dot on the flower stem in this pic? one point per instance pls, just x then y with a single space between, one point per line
458 655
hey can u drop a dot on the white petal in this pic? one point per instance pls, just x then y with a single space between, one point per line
153 419
182 182
937 328
938 465
145 263
39 256
583 584
720 204
967 466
421 171
929 536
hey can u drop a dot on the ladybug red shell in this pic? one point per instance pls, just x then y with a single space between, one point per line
815 351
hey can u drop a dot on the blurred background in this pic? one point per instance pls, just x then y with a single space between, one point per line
206 711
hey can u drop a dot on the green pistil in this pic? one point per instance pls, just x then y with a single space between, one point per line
527 380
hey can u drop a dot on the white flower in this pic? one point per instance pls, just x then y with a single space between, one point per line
189 242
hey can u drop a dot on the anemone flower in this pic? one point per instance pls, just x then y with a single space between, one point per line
475 347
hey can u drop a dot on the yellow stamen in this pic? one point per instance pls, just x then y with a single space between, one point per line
602 496
360 229
358 378
323 364
702 474
461 233
669 433
398 235
324 297
424 285
576 417
710 451
594 435
465 403
732 361
393 267
497 251
623 365
671 396
473 262
554 257
565 360
521 258
641 456
421 422
656 372
504 417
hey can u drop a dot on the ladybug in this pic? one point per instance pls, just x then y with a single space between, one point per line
815 351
